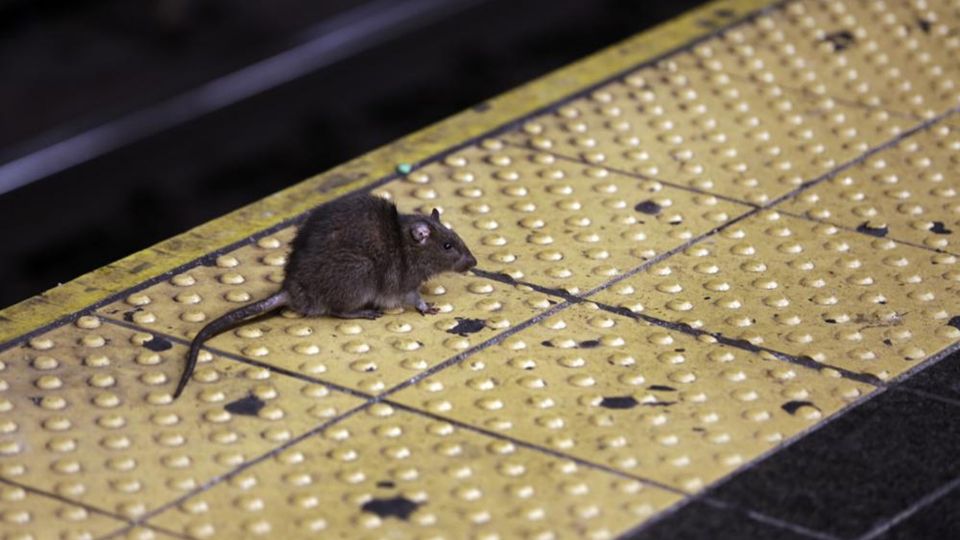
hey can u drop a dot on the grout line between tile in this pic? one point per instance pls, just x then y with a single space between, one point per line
476 348
66 500
802 361
926 124
854 230
742 344
726 198
242 359
639 176
746 78
250 463
536 447
906 514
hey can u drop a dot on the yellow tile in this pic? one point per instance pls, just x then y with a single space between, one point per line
868 305
556 222
640 398
908 192
29 515
705 129
369 356
899 55
386 473
86 415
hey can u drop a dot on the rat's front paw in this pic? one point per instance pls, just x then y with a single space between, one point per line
427 309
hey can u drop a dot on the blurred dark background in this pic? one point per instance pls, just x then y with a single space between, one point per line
126 122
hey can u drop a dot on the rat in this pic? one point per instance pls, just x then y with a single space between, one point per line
352 258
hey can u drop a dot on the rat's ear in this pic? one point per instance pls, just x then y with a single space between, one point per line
435 214
420 232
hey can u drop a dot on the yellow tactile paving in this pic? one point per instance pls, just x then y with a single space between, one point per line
86 415
25 515
899 55
633 396
556 222
176 306
868 305
908 192
707 130
385 473
515 413
368 356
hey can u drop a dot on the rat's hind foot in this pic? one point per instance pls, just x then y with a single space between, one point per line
359 314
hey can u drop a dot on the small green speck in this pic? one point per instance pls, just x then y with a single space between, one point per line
404 168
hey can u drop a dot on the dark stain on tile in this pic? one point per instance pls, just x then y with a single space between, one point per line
398 507
619 402
158 344
648 207
467 326
939 228
246 406
793 406
841 40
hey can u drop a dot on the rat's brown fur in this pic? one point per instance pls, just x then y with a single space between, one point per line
352 258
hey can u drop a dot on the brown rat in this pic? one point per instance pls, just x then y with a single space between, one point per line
352 258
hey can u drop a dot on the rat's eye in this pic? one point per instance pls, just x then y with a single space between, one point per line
447 245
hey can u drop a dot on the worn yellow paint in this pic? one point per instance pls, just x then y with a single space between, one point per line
166 256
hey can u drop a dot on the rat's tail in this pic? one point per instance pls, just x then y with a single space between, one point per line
223 323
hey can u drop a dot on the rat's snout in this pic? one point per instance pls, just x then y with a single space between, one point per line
466 262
